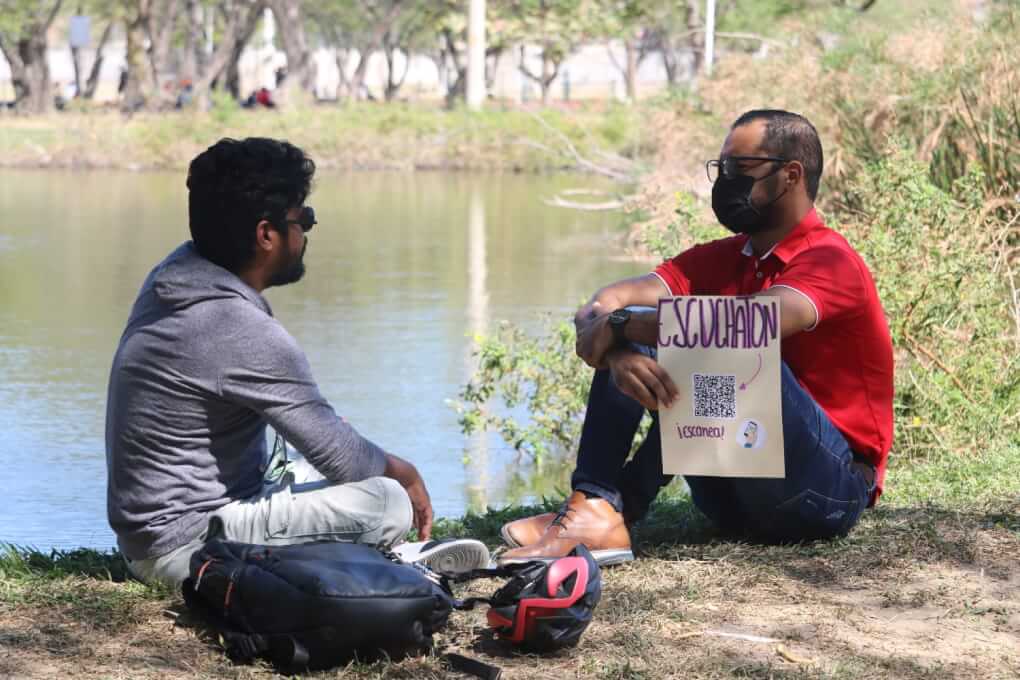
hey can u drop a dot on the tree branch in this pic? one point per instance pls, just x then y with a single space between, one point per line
17 66
53 14
581 161
232 34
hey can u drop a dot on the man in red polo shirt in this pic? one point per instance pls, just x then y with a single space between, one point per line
837 374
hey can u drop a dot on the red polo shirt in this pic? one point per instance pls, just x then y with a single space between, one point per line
845 362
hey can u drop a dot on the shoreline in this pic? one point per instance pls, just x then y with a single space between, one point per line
357 138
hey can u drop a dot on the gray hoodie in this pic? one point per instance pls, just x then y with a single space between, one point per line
200 370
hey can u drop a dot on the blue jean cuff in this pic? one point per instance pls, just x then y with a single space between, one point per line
611 496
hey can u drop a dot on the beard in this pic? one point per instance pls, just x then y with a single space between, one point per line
291 271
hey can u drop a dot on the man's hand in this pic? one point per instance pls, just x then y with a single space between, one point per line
594 336
408 477
641 378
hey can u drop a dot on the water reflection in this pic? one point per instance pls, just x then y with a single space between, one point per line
402 270
476 454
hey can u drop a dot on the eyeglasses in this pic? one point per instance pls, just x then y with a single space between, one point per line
306 219
729 167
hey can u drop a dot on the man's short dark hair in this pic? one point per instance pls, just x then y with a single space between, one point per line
791 136
233 185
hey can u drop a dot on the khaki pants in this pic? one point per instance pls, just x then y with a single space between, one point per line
300 508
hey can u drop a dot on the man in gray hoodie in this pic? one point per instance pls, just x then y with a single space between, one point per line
203 367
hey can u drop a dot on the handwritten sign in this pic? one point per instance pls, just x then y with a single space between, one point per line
723 354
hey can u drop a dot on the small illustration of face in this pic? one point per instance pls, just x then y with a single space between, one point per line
750 435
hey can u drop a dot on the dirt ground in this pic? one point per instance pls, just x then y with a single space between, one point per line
910 594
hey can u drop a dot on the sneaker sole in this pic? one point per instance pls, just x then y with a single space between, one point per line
456 558
603 558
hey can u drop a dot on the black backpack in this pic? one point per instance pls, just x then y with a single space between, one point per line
314 605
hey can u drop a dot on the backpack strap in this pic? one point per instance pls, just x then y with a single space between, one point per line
492 572
501 596
285 651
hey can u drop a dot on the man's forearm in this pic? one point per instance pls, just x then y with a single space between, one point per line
641 290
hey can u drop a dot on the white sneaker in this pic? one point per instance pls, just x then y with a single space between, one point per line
448 556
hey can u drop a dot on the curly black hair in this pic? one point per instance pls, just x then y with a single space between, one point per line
233 185
792 136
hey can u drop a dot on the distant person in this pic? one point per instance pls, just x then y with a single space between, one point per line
261 97
837 373
203 367
185 95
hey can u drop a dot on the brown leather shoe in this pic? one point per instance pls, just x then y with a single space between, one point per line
591 521
526 531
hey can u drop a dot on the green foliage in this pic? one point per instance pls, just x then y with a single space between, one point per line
752 15
541 375
687 229
944 280
557 25
23 563
224 107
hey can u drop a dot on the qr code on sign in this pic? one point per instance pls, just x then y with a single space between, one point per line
715 396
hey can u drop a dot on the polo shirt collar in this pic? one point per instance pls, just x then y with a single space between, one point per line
793 243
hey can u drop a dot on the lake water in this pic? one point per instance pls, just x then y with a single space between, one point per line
402 270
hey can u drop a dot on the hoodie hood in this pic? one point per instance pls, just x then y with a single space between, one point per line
185 278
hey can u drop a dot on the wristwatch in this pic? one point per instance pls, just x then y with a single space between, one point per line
617 322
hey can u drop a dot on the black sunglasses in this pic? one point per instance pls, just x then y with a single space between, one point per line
729 167
306 219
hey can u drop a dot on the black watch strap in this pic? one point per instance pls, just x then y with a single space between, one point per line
618 322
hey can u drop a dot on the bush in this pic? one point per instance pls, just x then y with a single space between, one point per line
540 374
940 261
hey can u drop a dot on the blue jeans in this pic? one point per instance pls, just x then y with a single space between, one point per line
822 495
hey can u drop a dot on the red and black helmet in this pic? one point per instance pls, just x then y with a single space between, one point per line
547 605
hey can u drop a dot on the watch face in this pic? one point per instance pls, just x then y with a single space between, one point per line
619 316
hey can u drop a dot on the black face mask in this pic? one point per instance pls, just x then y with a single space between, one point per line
731 203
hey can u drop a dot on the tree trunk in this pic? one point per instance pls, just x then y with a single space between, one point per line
492 67
393 83
546 81
97 63
26 56
162 26
669 62
695 29
38 95
194 55
300 78
630 75
140 89
358 77
343 87
232 79
241 23
76 63
457 89
550 69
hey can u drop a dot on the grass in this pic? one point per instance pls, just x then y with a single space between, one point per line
354 136
924 587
